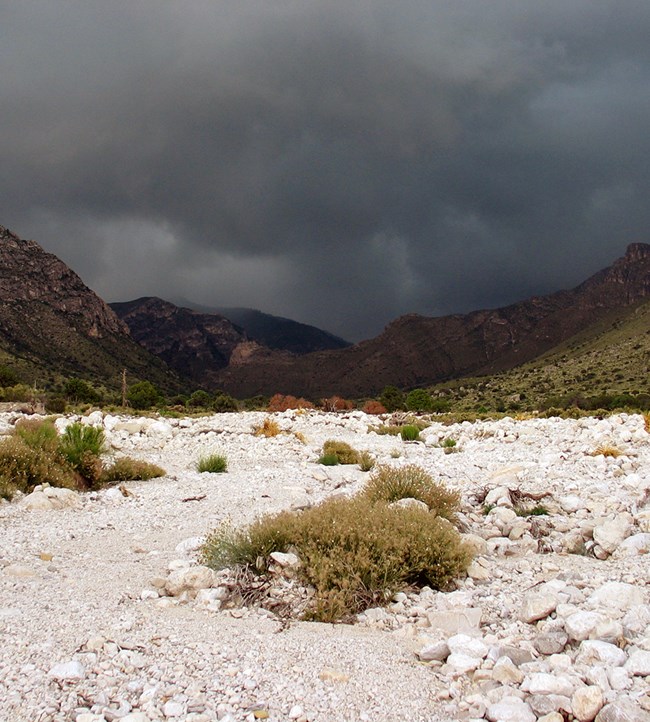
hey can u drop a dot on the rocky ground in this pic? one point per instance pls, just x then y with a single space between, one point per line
106 615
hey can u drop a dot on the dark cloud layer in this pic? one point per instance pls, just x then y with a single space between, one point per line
339 163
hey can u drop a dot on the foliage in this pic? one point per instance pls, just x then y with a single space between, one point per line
328 460
392 399
538 510
256 403
336 403
8 376
374 408
278 402
366 461
37 433
223 403
390 484
55 404
81 446
22 467
344 453
127 469
419 400
269 428
607 450
200 399
81 392
213 463
19 392
355 553
409 432
143 395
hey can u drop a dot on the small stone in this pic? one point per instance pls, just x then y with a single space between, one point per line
543 683
173 709
135 717
510 709
542 704
285 559
551 642
622 709
89 717
68 671
296 712
580 625
593 651
471 646
537 606
456 621
189 580
586 703
639 663
609 533
261 714
478 572
438 651
613 597
505 672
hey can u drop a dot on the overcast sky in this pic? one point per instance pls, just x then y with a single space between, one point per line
337 162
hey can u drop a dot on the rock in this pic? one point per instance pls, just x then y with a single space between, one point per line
68 671
90 717
634 546
510 709
462 663
593 652
580 625
410 503
610 532
286 559
462 620
499 496
135 717
475 542
173 709
586 703
37 501
471 646
329 674
478 571
537 606
21 571
505 672
189 580
551 642
613 597
618 678
543 704
62 498
437 651
623 709
543 683
639 663
189 546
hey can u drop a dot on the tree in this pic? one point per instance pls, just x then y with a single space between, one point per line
419 400
143 395
392 399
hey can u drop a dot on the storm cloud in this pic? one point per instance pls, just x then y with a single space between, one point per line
337 163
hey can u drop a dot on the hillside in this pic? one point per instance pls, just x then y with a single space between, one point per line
52 324
418 351
609 358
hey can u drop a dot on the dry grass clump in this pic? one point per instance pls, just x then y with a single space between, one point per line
366 461
356 553
22 467
269 428
607 450
391 484
128 469
212 463
338 452
646 422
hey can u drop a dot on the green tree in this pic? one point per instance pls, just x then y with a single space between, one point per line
419 400
81 392
8 376
392 399
143 395
200 399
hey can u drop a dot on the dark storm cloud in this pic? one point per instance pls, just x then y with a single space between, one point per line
332 162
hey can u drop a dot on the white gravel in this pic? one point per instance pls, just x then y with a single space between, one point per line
79 642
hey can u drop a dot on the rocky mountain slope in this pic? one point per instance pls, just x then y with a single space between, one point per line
415 350
51 322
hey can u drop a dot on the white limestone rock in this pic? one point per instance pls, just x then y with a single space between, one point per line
615 597
537 606
610 532
586 703
593 651
639 663
510 709
72 670
189 580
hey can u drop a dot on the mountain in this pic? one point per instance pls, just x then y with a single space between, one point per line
276 332
51 323
196 345
417 351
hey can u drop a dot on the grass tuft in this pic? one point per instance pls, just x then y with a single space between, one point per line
213 463
128 469
344 453
269 429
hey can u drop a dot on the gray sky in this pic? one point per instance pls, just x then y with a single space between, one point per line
340 163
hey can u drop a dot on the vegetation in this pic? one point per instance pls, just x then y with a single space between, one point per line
143 395
223 403
269 428
410 432
356 552
213 463
419 400
392 399
366 461
343 452
200 399
127 469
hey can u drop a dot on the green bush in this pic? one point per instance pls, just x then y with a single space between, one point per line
329 460
143 395
409 432
22 467
390 484
392 399
343 452
200 399
419 400
224 403
55 405
355 553
127 469
37 433
81 446
8 376
213 463
81 392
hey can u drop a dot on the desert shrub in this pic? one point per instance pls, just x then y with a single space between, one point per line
37 434
392 399
81 446
409 432
449 445
143 395
224 403
180 400
366 461
537 510
127 469
22 467
419 400
8 376
355 553
55 405
213 463
19 392
278 402
374 407
343 451
328 460
607 450
200 399
256 403
269 428
336 403
81 392
390 484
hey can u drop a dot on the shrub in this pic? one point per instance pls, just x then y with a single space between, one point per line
410 432
37 434
128 469
269 428
344 453
419 400
224 403
22 467
336 403
200 399
392 399
390 484
81 392
278 402
538 510
355 553
366 461
80 446
55 405
374 408
143 395
328 460
8 376
213 463
607 450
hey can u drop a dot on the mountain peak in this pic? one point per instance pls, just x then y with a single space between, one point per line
637 251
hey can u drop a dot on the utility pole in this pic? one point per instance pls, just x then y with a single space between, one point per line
123 387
